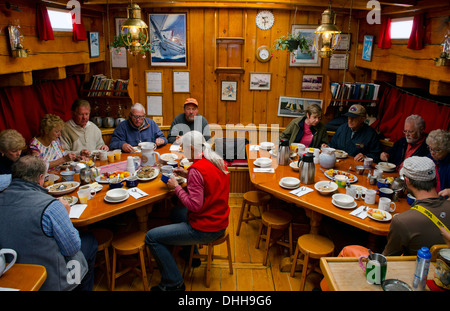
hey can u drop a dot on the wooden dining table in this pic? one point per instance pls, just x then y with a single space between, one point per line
317 205
98 209
24 277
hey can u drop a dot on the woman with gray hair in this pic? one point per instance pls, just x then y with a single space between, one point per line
438 142
203 218
12 144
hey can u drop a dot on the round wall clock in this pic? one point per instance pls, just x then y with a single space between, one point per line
265 20
263 54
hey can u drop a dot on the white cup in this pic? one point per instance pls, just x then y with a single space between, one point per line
378 173
351 191
3 266
385 205
316 155
369 196
103 155
368 163
85 193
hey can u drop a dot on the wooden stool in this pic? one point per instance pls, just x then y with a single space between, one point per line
274 220
252 198
129 244
104 238
312 246
210 255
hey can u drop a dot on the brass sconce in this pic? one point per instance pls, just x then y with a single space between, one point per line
17 49
136 30
327 35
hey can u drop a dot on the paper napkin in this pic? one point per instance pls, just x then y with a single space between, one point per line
137 193
253 148
76 210
264 170
175 147
301 191
359 212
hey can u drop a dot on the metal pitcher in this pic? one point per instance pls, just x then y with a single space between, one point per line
85 176
284 151
307 169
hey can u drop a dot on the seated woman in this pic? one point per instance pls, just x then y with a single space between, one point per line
204 216
438 142
12 144
48 146
307 130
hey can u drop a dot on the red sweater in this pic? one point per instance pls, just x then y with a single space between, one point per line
214 214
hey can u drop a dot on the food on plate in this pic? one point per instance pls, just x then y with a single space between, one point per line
93 185
114 175
377 214
69 199
333 173
88 163
146 172
62 186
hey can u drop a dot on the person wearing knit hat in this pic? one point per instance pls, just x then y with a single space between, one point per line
356 137
188 121
412 229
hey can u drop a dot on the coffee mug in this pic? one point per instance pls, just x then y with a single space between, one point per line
352 191
167 169
386 193
368 163
385 205
378 173
3 266
410 199
375 267
165 178
369 196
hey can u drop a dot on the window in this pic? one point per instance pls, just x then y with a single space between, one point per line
61 20
401 27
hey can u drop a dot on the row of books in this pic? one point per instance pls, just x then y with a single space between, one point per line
354 91
100 83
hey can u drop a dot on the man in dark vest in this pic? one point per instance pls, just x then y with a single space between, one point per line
37 226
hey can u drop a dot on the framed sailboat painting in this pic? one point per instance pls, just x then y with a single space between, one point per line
168 40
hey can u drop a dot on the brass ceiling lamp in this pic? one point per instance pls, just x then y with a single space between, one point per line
135 29
327 35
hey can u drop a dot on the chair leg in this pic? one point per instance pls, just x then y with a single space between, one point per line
304 272
143 269
190 259
208 266
290 240
241 217
294 261
108 266
113 270
266 251
259 235
230 263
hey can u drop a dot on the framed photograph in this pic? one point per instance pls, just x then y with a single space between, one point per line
312 83
94 44
338 61
304 59
295 106
260 81
168 39
158 120
228 91
119 21
153 81
367 48
345 42
181 81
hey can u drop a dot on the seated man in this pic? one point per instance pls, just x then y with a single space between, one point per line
37 226
411 230
413 144
81 135
356 137
135 130
188 121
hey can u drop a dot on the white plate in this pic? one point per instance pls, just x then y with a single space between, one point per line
388 216
386 167
53 177
71 186
74 200
181 180
259 165
330 176
169 157
351 206
286 187
100 181
118 201
266 145
155 174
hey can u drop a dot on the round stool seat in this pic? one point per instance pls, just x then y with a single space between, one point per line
103 237
278 219
315 245
129 243
256 197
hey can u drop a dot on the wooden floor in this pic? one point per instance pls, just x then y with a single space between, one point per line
249 274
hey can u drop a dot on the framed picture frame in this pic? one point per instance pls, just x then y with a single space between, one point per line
312 83
153 81
228 91
169 40
14 37
260 81
94 44
300 59
181 81
345 42
295 106
367 48
119 58
154 105
338 61
119 21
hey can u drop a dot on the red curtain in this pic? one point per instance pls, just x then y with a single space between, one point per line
44 27
384 41
396 106
79 32
21 108
415 41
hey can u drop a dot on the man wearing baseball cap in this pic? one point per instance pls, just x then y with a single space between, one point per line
421 225
356 137
188 121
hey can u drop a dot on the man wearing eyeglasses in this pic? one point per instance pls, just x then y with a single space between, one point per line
135 130
413 144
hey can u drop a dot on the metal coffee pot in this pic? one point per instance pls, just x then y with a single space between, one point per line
399 187
85 176
284 151
307 169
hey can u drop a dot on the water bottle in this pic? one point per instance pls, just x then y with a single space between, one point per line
422 265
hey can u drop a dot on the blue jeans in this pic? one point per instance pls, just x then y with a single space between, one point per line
179 233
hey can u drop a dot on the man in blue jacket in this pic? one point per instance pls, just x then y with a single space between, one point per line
356 137
135 130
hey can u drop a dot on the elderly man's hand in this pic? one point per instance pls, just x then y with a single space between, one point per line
359 157
127 148
65 203
104 147
159 141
